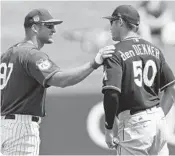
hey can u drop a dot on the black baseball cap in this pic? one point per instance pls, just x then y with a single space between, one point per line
40 16
126 12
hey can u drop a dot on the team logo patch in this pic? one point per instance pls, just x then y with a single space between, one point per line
36 18
43 64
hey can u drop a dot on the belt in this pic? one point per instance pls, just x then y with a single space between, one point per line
132 112
12 116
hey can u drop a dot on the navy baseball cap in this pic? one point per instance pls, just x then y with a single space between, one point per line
40 16
126 12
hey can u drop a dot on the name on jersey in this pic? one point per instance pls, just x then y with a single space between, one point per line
140 49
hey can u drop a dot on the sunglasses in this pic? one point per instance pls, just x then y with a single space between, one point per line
49 26
114 19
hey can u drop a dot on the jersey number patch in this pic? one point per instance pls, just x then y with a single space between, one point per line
141 74
5 75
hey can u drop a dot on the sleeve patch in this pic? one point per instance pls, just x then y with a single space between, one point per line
43 64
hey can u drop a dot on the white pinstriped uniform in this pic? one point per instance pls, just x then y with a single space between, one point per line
20 136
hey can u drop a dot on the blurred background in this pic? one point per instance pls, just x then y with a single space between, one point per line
74 121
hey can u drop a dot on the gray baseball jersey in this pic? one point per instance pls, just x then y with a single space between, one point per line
138 71
24 74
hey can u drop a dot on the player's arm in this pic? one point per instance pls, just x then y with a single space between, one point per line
39 66
167 81
110 102
73 76
111 90
167 101
168 98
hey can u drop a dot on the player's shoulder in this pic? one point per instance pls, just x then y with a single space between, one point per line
29 49
116 55
22 48
19 49
118 46
35 53
122 46
126 43
152 45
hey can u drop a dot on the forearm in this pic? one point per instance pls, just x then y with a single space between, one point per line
71 77
76 75
111 100
167 99
115 127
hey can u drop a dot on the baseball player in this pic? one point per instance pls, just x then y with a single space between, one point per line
133 79
26 73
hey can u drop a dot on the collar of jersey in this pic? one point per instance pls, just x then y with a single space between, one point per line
130 38
29 42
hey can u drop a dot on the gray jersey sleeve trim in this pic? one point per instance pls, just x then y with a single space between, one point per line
48 77
112 87
170 83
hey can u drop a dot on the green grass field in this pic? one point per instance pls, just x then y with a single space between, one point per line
64 131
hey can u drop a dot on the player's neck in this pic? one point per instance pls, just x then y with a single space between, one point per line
34 41
129 35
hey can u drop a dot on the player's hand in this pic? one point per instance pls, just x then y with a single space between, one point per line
109 138
104 53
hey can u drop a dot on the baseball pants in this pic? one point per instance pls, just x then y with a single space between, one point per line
19 136
142 133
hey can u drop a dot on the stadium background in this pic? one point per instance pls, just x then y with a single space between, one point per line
63 130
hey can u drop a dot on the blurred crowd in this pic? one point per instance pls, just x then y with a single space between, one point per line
157 26
156 22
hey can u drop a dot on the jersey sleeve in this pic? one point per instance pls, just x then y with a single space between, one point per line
166 76
40 67
112 76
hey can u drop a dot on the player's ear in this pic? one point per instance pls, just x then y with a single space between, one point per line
121 21
34 28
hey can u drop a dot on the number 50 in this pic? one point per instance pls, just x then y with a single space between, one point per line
141 74
3 75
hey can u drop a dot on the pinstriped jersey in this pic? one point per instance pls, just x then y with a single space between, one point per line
24 74
138 71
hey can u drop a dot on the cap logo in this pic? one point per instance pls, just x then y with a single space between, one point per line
36 18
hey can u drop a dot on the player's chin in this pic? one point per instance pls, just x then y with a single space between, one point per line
50 41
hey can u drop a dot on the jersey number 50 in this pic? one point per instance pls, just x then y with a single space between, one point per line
3 75
141 74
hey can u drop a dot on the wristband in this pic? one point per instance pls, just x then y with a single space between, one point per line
94 65
107 126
